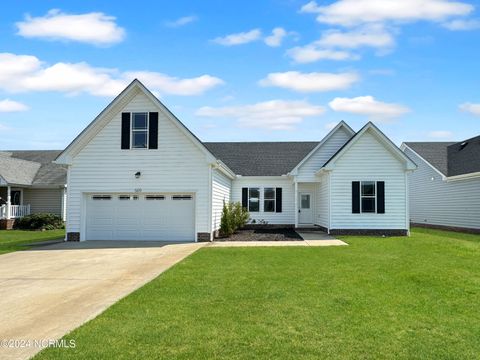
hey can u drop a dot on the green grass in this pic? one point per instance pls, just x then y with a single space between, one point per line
387 298
14 240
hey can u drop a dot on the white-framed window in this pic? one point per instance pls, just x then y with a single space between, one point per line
154 197
139 130
368 198
101 197
181 197
254 199
269 199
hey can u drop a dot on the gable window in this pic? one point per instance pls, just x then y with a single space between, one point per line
254 199
140 130
269 199
368 196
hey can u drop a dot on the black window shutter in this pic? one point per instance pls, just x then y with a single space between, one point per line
380 197
153 130
278 202
125 130
356 197
245 198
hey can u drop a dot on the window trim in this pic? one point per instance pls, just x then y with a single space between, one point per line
274 199
259 188
374 197
132 130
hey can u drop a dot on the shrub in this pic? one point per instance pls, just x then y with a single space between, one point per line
234 216
40 221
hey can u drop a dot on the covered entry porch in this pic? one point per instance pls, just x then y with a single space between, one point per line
311 204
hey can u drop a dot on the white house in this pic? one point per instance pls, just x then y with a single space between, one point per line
137 173
445 191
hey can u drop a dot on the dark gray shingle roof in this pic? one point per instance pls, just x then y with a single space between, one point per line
434 152
261 158
48 174
450 158
464 157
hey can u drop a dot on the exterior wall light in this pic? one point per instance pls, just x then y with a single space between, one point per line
138 174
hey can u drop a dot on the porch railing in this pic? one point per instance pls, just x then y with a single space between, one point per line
16 211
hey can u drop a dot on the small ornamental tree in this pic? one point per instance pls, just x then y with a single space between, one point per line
226 228
234 217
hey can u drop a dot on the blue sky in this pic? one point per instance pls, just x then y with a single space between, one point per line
246 71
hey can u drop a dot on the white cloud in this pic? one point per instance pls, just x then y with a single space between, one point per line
310 53
172 85
471 108
24 73
8 105
440 134
310 82
356 12
93 28
239 38
462 25
270 115
337 45
276 38
368 36
181 21
368 105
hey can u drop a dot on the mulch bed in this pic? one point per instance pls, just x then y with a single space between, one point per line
264 235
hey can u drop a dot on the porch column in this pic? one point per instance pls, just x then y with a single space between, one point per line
9 201
296 204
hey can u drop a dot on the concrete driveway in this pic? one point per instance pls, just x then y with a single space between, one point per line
49 291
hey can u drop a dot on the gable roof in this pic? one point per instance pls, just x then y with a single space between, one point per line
105 116
261 158
340 125
32 167
49 173
409 164
433 152
450 158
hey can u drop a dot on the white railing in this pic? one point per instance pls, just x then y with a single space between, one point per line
16 211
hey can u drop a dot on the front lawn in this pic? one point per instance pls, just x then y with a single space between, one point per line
14 240
387 298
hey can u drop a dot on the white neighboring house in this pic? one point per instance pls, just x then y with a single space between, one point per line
30 183
137 173
445 191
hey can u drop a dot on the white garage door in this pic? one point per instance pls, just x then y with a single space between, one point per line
166 217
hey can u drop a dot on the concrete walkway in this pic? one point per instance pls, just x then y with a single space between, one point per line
47 292
315 235
333 242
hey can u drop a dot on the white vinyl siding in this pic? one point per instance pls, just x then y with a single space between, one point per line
178 165
437 202
221 190
322 200
307 171
43 200
368 160
287 216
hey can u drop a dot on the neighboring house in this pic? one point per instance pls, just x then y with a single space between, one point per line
137 173
30 183
445 190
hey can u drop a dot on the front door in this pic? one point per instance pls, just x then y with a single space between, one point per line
305 211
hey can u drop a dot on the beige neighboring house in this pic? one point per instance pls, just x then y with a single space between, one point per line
30 183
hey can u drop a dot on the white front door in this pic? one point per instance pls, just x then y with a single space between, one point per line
305 211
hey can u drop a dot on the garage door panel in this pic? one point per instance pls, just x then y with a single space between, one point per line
119 217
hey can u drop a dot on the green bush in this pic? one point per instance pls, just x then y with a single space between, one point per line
40 221
234 217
